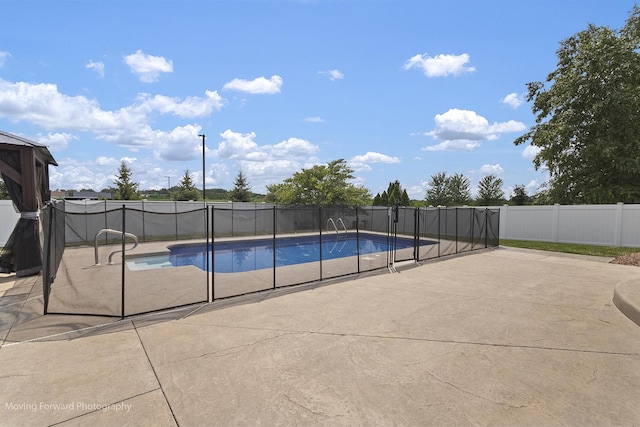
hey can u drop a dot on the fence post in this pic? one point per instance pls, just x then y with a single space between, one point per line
274 247
358 237
175 211
320 228
556 219
486 227
213 253
456 230
618 225
124 214
206 252
47 279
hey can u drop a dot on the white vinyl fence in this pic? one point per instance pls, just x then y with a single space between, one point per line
610 225
8 219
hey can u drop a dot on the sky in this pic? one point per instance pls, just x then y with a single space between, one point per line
401 90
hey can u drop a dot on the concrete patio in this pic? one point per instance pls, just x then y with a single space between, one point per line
498 337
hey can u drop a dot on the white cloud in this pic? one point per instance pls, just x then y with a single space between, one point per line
441 65
462 129
457 145
532 187
72 174
148 67
361 162
492 169
332 74
260 85
513 100
107 161
294 147
314 119
43 105
180 144
98 67
3 57
56 141
239 146
190 107
531 151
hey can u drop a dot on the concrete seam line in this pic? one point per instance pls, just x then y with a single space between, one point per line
155 374
100 409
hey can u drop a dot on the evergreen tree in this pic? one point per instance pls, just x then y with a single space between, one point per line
394 194
126 188
438 194
490 191
186 189
240 191
459 189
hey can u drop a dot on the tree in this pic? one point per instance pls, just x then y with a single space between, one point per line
240 191
519 196
437 194
395 194
186 189
459 189
588 119
4 193
490 191
320 185
448 190
126 189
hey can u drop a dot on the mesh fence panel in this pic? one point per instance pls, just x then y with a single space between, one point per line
493 227
447 221
160 274
373 238
429 233
241 268
297 258
479 228
340 238
464 218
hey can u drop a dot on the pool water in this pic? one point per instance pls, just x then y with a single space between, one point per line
248 255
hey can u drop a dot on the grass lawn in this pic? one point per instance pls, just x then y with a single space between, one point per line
605 251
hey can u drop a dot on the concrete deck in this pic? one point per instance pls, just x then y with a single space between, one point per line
506 337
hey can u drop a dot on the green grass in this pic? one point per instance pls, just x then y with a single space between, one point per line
594 250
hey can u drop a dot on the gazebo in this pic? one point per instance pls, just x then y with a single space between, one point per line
24 165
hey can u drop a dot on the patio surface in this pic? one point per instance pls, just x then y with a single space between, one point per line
497 337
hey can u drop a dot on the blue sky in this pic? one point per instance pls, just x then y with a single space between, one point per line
399 89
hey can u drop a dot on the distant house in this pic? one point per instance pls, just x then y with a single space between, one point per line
80 195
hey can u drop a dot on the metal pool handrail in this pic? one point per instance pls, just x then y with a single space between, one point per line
330 220
343 226
106 231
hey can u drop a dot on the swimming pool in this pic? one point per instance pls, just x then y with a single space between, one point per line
248 255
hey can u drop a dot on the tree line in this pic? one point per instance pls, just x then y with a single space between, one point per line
326 185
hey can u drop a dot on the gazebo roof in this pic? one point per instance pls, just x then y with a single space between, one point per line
41 150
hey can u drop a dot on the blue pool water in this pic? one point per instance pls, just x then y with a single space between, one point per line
238 256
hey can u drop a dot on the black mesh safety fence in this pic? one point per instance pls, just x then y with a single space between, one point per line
121 260
168 271
242 245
